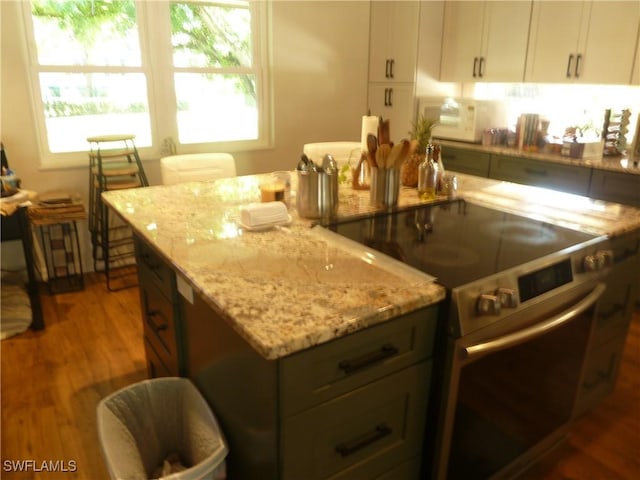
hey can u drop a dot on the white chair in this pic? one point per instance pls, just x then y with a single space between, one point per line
196 167
342 152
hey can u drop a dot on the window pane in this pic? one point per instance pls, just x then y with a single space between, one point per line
216 108
80 105
205 35
86 32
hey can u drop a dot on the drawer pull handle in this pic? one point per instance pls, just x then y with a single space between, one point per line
602 376
350 366
614 310
158 328
352 446
533 171
146 258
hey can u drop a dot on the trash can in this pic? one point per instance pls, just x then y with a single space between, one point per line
161 428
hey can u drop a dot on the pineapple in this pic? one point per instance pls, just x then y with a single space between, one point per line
421 133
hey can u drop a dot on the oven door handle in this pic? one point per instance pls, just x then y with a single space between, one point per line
521 336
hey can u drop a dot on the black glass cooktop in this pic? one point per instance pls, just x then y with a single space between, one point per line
458 242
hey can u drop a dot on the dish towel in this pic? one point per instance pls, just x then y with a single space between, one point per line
267 213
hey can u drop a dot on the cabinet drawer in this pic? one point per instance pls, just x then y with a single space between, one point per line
362 434
601 372
158 320
155 366
466 161
615 187
317 375
565 178
157 270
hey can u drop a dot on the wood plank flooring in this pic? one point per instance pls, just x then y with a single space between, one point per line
52 381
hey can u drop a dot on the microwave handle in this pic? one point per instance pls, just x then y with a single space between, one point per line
522 336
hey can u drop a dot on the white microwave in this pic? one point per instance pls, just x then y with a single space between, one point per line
462 119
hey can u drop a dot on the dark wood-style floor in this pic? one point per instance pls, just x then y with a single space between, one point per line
52 381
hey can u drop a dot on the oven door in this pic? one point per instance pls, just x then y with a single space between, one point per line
512 392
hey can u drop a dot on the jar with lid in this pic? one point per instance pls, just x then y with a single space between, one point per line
428 175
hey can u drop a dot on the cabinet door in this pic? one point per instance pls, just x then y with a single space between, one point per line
565 178
506 32
393 102
461 42
615 187
553 40
466 161
393 43
361 434
608 55
485 41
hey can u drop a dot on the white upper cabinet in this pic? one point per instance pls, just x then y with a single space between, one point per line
393 40
588 42
485 41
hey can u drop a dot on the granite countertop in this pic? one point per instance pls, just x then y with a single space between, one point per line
290 288
623 163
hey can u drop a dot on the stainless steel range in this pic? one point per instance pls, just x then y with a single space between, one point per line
522 296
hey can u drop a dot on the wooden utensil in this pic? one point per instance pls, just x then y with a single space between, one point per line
372 147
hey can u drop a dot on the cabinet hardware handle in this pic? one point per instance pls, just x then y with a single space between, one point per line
386 93
569 65
628 252
347 448
475 65
533 171
386 68
578 61
349 366
390 98
481 67
158 328
602 376
392 62
614 310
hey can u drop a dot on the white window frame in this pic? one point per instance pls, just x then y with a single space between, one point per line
157 65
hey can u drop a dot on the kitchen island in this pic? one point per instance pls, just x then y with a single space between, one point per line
316 358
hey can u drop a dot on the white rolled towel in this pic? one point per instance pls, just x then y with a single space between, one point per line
266 213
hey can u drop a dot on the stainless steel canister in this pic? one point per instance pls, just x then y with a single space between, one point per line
385 187
317 194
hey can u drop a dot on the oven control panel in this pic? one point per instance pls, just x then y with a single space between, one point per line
495 298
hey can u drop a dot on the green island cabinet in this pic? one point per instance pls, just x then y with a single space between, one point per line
613 317
616 187
352 408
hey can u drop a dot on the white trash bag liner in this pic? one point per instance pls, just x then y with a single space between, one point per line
160 428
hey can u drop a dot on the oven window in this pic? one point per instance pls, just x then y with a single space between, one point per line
510 400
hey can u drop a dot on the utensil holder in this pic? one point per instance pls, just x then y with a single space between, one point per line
317 194
385 187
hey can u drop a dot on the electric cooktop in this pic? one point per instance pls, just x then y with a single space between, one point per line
458 242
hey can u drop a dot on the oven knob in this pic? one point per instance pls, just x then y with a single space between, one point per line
507 297
488 305
598 261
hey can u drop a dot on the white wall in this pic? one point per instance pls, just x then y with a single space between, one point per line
319 74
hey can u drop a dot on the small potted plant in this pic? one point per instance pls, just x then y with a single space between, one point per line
421 133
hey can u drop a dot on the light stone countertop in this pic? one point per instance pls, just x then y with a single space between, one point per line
289 288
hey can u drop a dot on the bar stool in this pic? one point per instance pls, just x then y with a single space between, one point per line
114 164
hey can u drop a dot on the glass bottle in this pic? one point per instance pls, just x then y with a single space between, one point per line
428 174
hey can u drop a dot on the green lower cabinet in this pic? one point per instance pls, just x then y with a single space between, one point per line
466 161
613 316
361 434
615 187
565 178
